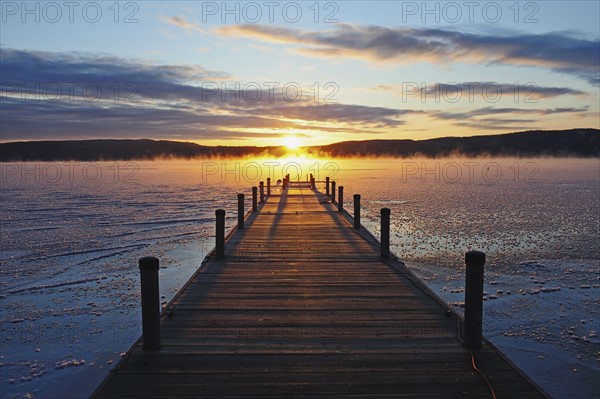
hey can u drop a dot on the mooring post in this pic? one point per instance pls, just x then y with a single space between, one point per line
150 303
262 191
475 261
240 211
254 198
327 185
333 192
357 211
220 233
268 186
385 233
340 198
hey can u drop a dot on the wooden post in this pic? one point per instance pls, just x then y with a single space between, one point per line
474 261
150 303
262 191
240 211
220 233
284 183
254 198
327 185
357 211
385 233
268 186
333 192
340 198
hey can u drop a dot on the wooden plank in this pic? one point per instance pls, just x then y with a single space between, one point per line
302 305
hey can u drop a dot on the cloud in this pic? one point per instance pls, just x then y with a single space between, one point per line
558 52
189 27
505 119
454 91
262 49
135 99
486 111
382 87
344 113
528 91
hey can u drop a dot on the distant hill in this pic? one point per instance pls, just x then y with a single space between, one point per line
120 150
574 142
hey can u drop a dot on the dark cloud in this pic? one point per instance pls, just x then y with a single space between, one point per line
505 119
487 111
175 102
556 51
44 119
523 91
43 95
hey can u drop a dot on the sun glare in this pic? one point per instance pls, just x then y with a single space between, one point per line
291 142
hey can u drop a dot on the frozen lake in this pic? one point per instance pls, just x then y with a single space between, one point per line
72 233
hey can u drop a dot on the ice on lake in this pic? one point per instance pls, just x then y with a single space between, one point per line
72 234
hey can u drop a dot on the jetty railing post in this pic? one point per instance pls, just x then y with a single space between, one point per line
150 303
475 262
333 192
357 211
340 198
268 186
240 211
385 233
262 191
327 185
254 198
220 233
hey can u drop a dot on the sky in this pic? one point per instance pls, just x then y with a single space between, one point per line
256 73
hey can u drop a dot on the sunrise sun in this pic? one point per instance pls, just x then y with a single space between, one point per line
291 142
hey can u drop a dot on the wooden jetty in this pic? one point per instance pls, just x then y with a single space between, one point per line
303 302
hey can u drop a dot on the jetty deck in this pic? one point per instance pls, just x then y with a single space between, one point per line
303 305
